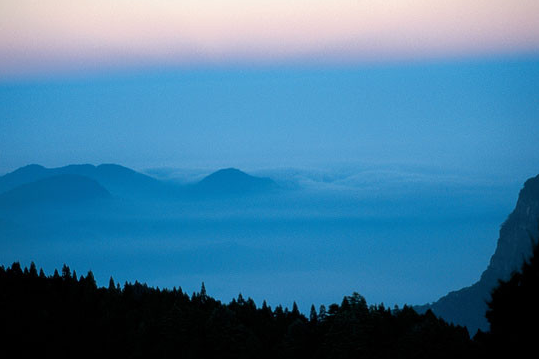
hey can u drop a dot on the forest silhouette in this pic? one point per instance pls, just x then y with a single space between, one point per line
64 315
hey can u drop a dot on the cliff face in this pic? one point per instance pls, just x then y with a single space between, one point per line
516 235
468 306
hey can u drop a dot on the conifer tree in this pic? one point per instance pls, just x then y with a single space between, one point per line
266 309
66 272
322 314
16 268
33 270
90 280
278 311
112 286
203 294
295 311
241 301
345 305
313 317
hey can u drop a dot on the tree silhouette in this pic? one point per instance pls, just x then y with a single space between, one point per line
57 316
313 317
513 311
112 286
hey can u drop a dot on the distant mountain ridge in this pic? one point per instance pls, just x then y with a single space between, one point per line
125 182
59 189
467 306
117 179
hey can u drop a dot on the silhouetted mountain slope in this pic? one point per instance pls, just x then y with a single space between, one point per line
468 306
233 181
59 189
117 179
26 174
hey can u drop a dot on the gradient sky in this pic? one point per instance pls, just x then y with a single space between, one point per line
260 83
56 36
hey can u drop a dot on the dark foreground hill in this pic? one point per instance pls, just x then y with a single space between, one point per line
66 316
468 306
61 189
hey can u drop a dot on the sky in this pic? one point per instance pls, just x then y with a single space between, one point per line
258 84
40 37
468 117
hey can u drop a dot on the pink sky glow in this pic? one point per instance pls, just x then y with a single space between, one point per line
42 36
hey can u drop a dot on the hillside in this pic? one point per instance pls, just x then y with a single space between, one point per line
467 306
60 189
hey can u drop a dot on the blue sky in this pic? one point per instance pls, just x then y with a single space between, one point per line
479 116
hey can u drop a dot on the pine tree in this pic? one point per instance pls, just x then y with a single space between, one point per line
313 317
345 305
16 268
322 314
203 294
112 286
33 270
266 309
278 313
66 272
90 280
250 303
241 301
295 311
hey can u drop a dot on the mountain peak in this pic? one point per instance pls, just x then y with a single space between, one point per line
230 172
30 166
232 180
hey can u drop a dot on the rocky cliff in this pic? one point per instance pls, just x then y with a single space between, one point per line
467 306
